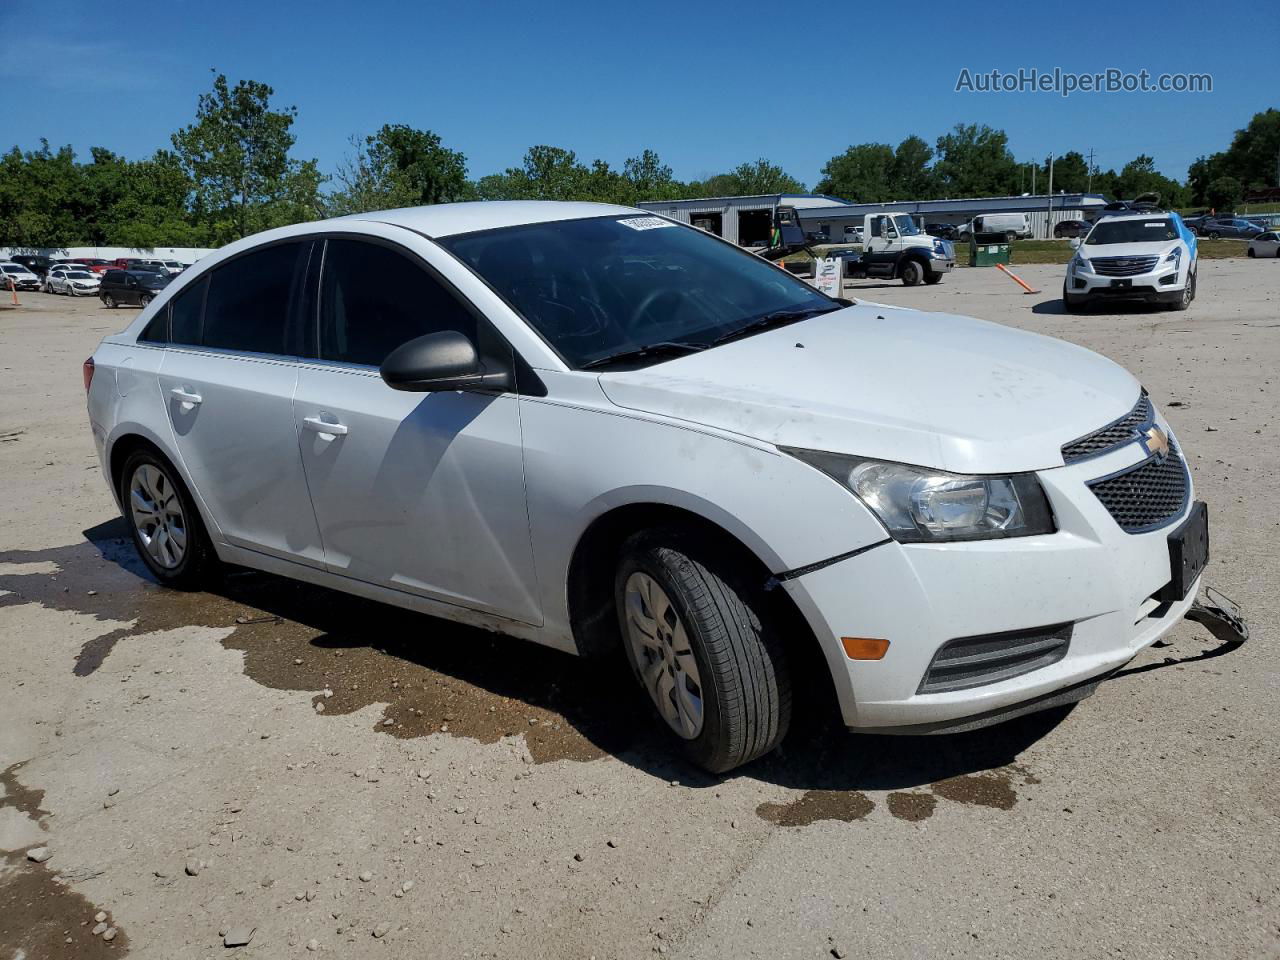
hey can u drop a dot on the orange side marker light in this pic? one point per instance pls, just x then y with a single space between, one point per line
865 648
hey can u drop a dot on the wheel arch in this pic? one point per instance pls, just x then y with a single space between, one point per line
131 437
593 566
911 254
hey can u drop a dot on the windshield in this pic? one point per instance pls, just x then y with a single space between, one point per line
906 226
1158 229
13 268
609 285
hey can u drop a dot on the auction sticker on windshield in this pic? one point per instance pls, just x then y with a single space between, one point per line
646 223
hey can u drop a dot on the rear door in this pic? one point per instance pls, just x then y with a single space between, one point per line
420 492
227 382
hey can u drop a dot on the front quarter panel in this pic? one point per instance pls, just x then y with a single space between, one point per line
585 457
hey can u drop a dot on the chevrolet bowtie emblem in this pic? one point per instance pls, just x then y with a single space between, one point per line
1155 441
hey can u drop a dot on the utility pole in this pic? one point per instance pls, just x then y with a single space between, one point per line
1090 189
1048 223
1033 177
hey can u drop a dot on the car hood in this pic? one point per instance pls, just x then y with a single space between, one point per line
1152 249
931 389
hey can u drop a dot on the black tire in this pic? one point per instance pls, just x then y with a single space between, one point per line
1069 303
932 278
912 272
1188 294
145 299
1252 253
199 561
745 677
1214 235
1010 236
109 301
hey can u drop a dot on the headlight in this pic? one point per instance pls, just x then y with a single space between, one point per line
920 505
1175 255
1080 263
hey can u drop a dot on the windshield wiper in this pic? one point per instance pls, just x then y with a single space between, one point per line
662 346
779 318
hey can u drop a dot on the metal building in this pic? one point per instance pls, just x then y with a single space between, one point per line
1065 206
746 221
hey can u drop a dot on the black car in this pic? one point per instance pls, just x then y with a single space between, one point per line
943 231
36 264
1233 227
131 286
1070 228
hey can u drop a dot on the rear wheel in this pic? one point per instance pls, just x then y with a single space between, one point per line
145 299
700 640
1011 236
912 272
162 517
109 300
1214 235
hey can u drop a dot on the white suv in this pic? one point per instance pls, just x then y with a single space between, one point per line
1149 257
594 428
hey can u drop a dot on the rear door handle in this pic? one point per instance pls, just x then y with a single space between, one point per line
186 396
324 426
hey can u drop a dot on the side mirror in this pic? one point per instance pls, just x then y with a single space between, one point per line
1075 242
445 360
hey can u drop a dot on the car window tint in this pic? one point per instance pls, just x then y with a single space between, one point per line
248 303
373 299
187 313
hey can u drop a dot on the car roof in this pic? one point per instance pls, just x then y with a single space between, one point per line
1138 215
448 219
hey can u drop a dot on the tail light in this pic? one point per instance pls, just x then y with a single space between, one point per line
88 374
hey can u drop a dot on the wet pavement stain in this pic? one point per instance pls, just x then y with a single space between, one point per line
993 789
39 915
26 800
434 676
815 805
912 807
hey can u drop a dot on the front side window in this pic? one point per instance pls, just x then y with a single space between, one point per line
374 298
599 287
247 307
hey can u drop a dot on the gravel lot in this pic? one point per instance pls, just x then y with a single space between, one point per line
350 779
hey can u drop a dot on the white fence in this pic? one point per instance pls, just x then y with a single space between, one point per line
181 254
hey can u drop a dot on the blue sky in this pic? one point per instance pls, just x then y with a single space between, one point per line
706 84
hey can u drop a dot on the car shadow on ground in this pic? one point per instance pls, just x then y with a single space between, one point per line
433 676
1055 307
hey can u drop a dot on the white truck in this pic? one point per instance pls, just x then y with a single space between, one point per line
893 248
1015 226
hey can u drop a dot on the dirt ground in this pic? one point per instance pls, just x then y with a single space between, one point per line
352 780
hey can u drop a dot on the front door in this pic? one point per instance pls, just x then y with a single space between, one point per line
420 492
227 381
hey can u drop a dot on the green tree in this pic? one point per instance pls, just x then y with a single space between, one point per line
863 173
974 161
648 178
1224 193
1254 155
398 166
237 156
913 177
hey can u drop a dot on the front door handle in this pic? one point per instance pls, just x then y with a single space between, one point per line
186 396
324 426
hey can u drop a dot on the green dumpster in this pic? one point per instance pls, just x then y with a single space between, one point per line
988 249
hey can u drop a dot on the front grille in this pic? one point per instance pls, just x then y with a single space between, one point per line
1147 496
975 661
1115 434
1123 266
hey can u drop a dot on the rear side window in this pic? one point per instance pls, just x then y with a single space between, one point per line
247 307
187 313
374 298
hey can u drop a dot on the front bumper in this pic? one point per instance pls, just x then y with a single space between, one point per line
1162 285
1092 575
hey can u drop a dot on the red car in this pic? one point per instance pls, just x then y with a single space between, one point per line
96 264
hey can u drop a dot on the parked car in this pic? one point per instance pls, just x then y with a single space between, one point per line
97 265
1150 257
1070 228
73 280
17 276
1265 245
1012 225
131 286
39 265
944 231
170 267
1229 227
576 423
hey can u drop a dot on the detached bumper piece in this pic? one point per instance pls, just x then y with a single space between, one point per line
1222 617
975 661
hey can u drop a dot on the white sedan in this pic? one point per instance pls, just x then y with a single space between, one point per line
608 432
1265 245
74 281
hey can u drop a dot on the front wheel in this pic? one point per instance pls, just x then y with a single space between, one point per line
109 301
1069 303
931 278
700 641
161 516
1188 294
1252 252
145 299
912 273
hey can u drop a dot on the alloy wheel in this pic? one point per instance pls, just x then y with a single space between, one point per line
157 515
663 655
